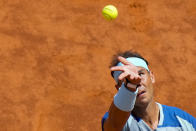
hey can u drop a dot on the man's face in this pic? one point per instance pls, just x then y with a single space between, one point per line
145 89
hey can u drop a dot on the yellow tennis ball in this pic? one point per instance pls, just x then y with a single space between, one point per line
110 12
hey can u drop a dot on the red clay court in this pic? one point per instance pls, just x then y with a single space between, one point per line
55 56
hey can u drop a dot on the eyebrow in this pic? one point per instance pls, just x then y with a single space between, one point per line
141 70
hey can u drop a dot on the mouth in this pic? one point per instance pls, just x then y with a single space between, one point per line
141 93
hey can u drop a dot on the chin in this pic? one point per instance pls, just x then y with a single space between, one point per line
142 102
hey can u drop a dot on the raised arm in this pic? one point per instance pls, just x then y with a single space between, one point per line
124 100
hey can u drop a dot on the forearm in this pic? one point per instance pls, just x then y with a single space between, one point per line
120 109
116 120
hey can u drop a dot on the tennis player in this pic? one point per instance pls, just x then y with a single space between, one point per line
133 107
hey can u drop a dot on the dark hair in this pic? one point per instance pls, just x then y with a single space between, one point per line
125 54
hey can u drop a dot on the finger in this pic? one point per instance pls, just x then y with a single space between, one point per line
125 61
131 77
122 76
118 85
131 87
135 77
117 68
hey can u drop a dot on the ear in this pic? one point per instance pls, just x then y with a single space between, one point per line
152 77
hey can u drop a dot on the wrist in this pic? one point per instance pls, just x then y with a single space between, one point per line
125 99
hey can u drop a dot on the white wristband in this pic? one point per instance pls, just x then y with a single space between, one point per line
125 99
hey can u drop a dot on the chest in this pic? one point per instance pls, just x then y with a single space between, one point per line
134 125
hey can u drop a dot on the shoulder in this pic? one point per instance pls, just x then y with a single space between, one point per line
174 114
174 111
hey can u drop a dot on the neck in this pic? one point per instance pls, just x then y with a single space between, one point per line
148 113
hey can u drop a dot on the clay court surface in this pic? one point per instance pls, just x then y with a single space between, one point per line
55 54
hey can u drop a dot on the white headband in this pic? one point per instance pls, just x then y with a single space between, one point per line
133 60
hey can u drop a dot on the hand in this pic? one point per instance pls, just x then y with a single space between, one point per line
129 73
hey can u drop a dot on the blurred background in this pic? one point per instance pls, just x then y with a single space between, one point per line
55 57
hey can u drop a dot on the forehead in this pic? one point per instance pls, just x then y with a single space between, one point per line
141 69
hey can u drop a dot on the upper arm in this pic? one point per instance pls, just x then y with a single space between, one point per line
106 127
115 119
105 124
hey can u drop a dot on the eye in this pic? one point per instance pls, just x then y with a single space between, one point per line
141 73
